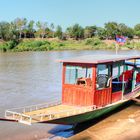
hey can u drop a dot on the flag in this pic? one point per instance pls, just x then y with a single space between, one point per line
121 39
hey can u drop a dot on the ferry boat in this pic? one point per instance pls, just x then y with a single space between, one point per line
92 85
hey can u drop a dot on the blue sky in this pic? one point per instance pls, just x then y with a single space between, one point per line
69 12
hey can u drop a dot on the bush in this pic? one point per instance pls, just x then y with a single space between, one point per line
8 45
129 45
33 46
45 47
12 44
3 47
93 41
136 45
57 45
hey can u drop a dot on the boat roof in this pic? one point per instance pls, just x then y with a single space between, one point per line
96 59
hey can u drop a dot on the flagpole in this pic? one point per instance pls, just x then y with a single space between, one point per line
116 48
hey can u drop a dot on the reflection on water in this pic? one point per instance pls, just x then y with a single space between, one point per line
29 78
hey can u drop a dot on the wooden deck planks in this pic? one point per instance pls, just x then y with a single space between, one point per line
56 111
48 110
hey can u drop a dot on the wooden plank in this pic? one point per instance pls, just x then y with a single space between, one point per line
49 110
116 96
102 97
77 95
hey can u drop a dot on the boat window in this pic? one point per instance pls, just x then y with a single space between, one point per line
133 63
117 70
138 62
129 67
77 74
103 76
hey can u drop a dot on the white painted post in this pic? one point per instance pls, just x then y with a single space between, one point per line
41 117
67 113
116 46
30 120
21 117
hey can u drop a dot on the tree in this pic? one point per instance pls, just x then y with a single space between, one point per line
24 27
5 32
129 33
125 30
137 30
69 32
75 31
59 32
101 33
30 28
90 31
52 28
20 25
41 28
14 31
111 30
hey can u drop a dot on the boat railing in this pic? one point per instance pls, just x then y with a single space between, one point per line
34 107
66 113
22 118
18 114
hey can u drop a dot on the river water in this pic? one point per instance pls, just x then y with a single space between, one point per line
28 78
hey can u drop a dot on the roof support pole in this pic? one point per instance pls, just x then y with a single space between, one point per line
123 82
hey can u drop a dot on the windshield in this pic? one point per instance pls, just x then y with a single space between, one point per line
75 72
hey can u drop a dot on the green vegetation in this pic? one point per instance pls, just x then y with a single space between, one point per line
47 45
24 35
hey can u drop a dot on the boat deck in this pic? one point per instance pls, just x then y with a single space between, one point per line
44 114
51 113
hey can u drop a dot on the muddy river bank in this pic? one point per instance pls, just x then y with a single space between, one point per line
123 124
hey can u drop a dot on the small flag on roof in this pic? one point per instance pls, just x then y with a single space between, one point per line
121 39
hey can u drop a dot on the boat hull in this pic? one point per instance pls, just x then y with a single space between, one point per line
85 116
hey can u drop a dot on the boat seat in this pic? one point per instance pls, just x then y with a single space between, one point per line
102 80
138 78
127 75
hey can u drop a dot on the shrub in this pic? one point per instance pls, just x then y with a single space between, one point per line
12 44
8 45
33 46
57 45
93 41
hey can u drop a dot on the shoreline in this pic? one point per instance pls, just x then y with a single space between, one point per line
121 125
65 45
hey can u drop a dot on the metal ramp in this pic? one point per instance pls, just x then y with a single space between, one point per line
136 100
134 94
44 112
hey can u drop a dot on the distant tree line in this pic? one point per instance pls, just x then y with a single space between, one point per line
22 28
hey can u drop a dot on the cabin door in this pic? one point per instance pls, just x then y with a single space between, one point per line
103 85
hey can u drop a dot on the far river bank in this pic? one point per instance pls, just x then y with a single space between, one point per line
62 45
